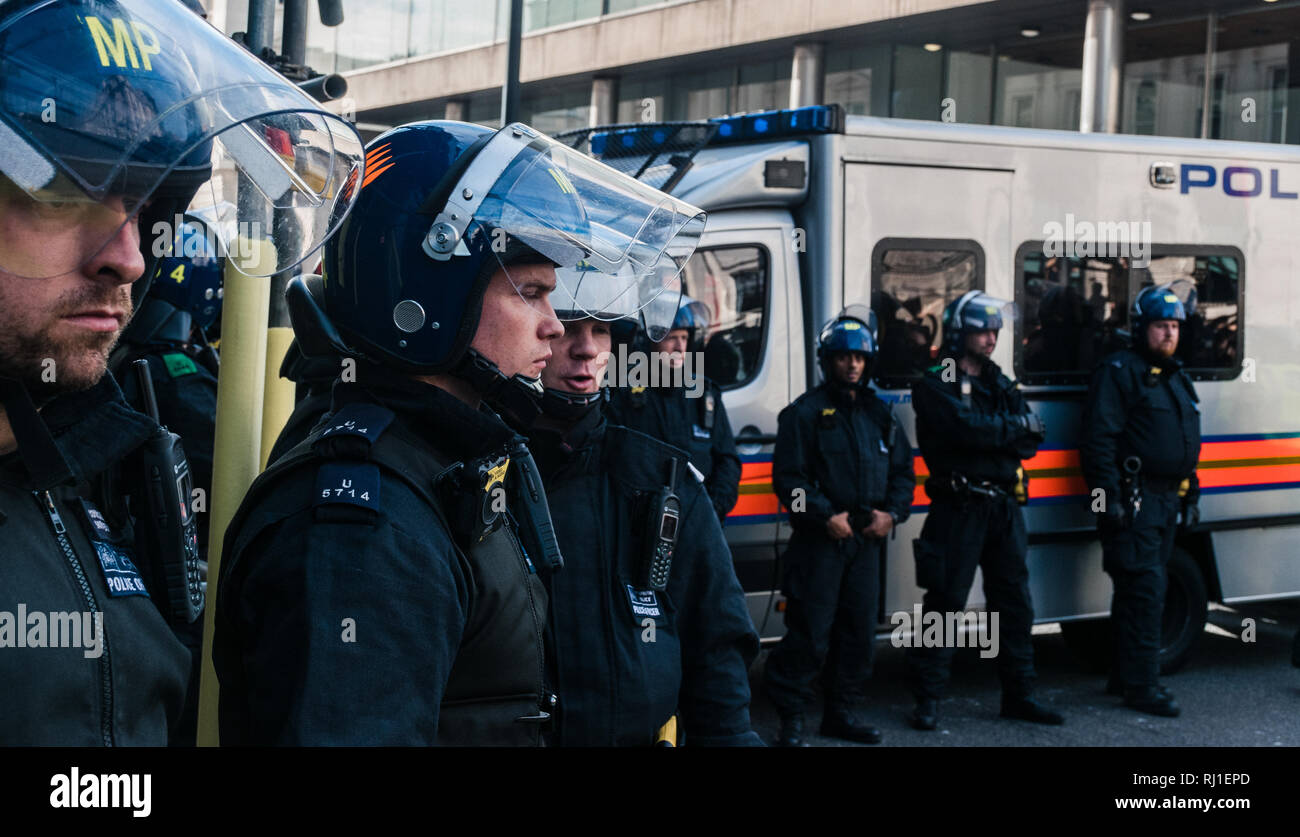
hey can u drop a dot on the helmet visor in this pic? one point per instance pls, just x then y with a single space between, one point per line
617 245
109 106
982 312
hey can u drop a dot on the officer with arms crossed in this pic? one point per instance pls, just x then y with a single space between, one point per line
843 467
683 415
635 637
974 428
1141 442
108 129
380 582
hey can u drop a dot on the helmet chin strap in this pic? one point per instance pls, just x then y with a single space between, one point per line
519 396
570 406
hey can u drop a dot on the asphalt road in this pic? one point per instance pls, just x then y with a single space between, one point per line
1233 694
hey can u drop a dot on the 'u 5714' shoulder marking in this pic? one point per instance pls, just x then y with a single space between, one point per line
356 484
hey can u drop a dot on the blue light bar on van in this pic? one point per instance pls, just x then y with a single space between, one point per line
774 124
749 127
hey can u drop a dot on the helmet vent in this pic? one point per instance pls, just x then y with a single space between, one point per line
408 315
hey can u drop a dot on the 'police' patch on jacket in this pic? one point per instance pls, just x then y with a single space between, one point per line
700 432
120 574
353 484
365 420
644 602
179 365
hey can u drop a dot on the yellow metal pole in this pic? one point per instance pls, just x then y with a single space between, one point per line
237 450
278 401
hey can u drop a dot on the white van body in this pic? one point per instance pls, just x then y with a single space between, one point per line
998 192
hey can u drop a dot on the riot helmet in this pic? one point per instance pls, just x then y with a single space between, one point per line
444 206
854 329
130 111
1161 302
973 311
186 291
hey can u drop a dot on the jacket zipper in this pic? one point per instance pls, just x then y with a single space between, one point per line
46 502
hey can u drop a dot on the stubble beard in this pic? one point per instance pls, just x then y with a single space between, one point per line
50 365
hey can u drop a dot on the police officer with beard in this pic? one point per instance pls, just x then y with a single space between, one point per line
630 649
843 467
381 582
974 427
1142 439
100 152
695 421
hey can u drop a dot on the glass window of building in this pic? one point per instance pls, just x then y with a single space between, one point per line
642 99
552 113
539 14
732 282
858 78
762 85
700 95
911 282
1038 84
969 79
918 82
628 5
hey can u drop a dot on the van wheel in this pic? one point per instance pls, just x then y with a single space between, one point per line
1186 607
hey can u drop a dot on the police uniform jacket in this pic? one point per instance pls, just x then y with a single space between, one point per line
365 599
668 414
61 556
624 659
835 453
975 434
1144 408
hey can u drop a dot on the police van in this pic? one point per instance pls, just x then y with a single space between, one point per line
811 210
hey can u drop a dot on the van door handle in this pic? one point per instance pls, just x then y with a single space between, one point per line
752 439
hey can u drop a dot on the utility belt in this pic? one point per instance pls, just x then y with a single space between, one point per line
1162 485
960 487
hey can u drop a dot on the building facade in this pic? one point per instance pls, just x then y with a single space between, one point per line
1226 69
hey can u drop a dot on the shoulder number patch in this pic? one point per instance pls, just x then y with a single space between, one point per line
353 484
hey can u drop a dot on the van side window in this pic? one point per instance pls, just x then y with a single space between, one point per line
1073 310
732 281
911 282
1209 343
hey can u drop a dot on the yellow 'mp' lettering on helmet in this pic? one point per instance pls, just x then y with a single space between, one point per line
120 45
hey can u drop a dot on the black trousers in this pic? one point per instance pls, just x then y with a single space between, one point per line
958 536
1136 557
832 606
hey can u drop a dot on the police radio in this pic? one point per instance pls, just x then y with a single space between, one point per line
665 513
167 523
536 529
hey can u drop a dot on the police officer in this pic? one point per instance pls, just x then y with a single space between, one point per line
680 647
686 414
170 333
843 467
974 427
109 132
1141 442
380 583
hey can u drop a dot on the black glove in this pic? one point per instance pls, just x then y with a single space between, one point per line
1031 425
1191 517
1114 515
